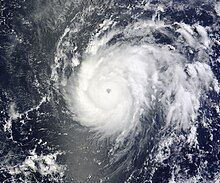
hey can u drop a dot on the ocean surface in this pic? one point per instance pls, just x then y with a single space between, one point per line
113 91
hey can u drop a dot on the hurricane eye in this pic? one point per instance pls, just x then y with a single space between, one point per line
108 90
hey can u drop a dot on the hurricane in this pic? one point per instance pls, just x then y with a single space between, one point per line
117 83
111 91
142 80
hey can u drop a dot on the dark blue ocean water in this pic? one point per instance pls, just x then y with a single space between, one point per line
33 114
